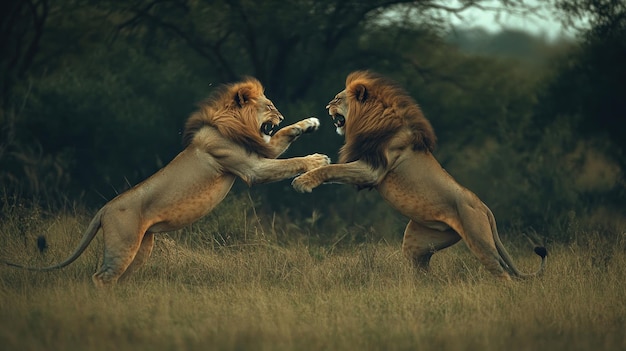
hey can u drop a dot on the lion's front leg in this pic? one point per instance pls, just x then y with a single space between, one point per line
272 170
356 173
285 136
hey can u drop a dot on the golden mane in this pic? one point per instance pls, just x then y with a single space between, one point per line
378 108
231 110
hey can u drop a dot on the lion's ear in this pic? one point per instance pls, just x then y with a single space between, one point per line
243 96
360 92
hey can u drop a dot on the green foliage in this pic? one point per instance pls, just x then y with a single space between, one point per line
589 82
128 106
100 103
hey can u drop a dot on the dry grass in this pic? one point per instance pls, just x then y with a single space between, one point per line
263 296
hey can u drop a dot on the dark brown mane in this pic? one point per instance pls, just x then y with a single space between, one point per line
231 109
378 108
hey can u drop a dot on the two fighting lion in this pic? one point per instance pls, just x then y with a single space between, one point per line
388 146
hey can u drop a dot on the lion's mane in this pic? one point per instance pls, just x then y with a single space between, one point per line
232 110
378 109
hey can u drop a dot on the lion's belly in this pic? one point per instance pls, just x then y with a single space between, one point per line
415 201
414 208
193 204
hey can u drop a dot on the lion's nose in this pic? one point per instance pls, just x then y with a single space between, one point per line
335 100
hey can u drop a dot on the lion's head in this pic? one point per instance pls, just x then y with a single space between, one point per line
370 111
240 112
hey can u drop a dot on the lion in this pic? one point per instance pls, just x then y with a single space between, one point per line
231 135
389 147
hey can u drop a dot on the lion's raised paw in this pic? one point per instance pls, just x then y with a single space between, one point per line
311 124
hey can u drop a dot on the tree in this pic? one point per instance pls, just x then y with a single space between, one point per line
277 41
22 27
69 65
590 86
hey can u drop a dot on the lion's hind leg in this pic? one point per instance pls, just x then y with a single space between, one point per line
121 245
420 243
477 233
145 249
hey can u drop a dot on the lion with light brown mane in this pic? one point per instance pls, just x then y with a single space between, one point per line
230 136
388 146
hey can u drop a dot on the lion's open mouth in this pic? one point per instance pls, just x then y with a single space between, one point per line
338 120
268 128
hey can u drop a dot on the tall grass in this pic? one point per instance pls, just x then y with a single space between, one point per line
260 291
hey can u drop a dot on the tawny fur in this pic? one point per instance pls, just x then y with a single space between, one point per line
223 140
389 145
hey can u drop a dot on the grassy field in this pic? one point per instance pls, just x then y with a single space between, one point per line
262 295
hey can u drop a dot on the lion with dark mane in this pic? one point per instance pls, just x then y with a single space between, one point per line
388 147
233 134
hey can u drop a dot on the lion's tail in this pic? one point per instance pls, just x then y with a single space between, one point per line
539 250
88 236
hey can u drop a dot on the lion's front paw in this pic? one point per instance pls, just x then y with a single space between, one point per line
316 160
310 124
304 183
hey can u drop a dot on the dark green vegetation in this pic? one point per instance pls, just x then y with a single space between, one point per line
95 94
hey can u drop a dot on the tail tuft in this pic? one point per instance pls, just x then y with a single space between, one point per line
42 244
541 251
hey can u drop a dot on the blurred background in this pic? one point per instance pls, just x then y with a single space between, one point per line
528 99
